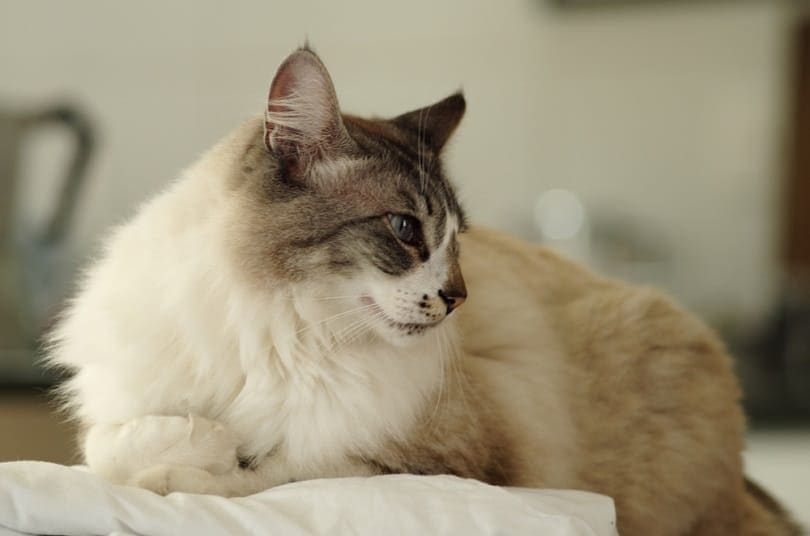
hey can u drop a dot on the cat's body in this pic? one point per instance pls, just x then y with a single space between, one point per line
206 361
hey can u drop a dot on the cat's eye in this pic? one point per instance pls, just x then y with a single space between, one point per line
405 228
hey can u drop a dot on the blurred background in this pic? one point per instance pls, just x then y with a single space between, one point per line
665 142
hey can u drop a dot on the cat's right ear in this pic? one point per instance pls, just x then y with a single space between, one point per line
302 121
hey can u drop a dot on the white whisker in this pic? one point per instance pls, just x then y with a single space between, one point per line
440 395
362 328
335 317
458 378
421 141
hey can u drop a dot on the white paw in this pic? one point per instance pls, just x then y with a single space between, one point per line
165 479
185 441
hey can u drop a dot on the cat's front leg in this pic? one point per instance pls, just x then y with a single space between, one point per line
119 452
164 479
237 482
272 470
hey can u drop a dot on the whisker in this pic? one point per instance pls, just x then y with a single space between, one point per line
376 321
421 131
420 149
458 378
344 333
440 396
365 325
336 316
343 336
358 330
324 298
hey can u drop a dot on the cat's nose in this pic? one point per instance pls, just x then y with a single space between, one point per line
453 298
455 291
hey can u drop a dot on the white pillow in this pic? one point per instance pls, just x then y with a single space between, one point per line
44 498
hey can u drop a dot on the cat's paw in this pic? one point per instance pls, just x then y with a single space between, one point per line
184 441
165 479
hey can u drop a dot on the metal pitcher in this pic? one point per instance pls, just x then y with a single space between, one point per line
30 261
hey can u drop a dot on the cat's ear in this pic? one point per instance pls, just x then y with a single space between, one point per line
436 123
302 121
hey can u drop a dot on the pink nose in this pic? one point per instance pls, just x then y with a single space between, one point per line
453 300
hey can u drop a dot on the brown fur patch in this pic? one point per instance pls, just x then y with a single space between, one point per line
457 435
653 401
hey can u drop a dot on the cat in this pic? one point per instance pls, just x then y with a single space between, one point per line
295 306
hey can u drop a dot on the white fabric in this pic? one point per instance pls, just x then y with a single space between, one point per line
43 498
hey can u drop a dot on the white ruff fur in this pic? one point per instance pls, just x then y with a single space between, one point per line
165 326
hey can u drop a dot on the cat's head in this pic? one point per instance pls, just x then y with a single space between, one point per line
357 212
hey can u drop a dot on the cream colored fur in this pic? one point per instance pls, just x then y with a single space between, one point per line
181 364
164 327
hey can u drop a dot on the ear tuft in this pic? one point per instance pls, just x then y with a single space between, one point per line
302 120
435 124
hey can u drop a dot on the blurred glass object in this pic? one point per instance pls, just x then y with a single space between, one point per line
32 265
559 214
560 218
616 245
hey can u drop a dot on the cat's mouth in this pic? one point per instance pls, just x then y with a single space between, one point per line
406 328
413 328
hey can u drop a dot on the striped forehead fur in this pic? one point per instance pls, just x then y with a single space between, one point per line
409 153
333 220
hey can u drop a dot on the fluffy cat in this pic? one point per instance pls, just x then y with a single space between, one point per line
286 310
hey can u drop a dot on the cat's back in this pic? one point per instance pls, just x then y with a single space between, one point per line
515 349
641 382
522 293
519 292
631 347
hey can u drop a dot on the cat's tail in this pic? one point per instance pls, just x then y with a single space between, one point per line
764 516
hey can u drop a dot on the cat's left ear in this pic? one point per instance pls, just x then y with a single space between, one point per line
302 121
436 123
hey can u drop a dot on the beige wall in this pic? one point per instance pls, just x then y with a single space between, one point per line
670 114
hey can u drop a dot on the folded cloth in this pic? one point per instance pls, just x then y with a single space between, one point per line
44 498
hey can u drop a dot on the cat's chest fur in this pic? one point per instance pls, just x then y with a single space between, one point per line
287 388
325 408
